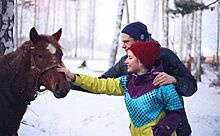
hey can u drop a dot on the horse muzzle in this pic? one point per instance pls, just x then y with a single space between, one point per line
61 90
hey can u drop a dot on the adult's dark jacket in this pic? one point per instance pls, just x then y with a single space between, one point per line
186 83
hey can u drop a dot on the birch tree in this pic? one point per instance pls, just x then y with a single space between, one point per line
189 37
6 26
155 13
54 14
127 11
16 24
135 9
218 35
47 16
35 13
92 25
198 46
182 37
165 20
77 4
114 48
24 5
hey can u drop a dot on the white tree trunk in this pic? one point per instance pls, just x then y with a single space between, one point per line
155 21
21 24
135 9
114 49
35 13
189 35
198 47
92 26
6 26
76 25
165 18
127 11
182 38
218 35
16 24
47 16
54 14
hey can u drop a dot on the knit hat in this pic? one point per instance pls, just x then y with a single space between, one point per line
137 30
146 52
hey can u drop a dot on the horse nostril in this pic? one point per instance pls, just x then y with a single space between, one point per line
57 89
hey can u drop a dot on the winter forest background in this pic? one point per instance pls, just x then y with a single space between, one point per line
91 32
188 27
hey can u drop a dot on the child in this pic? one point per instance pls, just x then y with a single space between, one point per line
153 111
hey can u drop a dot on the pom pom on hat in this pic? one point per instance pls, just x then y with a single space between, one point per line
137 30
146 52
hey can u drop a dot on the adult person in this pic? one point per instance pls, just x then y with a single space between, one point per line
174 70
153 111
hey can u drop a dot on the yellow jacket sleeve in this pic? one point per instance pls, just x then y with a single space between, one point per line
109 86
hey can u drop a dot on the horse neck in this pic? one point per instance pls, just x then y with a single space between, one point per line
18 67
12 64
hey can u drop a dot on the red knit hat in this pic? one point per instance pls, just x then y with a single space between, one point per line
146 52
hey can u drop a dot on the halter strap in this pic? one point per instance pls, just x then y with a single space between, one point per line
40 73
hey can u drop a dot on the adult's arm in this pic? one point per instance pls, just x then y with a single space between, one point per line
186 84
117 70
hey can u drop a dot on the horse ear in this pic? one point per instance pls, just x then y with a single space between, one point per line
34 37
57 35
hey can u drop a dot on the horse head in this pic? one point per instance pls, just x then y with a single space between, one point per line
46 55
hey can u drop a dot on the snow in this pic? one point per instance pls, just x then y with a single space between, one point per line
83 114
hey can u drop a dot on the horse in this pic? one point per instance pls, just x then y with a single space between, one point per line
23 72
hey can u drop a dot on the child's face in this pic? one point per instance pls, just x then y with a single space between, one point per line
132 62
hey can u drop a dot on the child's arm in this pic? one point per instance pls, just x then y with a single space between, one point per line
168 124
108 86
174 112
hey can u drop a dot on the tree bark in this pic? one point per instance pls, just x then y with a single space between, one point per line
218 35
182 38
189 35
47 17
155 13
165 18
114 49
54 14
127 11
135 9
16 24
92 26
6 26
198 47
77 4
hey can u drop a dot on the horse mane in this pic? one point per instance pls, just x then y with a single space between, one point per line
10 62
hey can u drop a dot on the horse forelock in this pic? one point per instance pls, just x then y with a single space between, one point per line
51 40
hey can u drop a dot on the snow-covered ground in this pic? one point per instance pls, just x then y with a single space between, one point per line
83 114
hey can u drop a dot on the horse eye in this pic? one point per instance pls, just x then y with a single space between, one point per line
40 56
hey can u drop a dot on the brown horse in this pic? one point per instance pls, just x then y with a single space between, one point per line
23 71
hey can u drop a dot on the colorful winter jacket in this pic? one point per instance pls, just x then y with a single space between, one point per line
148 107
186 83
